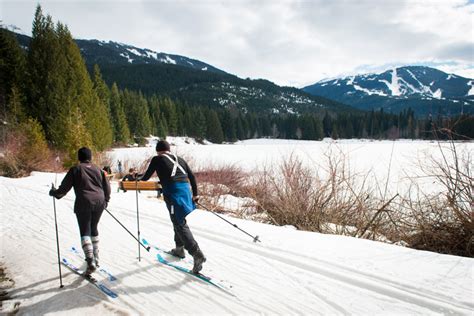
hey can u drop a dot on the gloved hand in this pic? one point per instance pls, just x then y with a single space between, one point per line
196 199
52 192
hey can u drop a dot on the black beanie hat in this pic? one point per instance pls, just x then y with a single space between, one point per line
84 154
162 145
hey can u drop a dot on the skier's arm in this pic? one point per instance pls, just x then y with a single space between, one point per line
106 187
149 171
65 186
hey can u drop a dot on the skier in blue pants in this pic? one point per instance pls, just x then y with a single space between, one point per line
180 193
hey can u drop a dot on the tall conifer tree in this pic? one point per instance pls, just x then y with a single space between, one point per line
121 131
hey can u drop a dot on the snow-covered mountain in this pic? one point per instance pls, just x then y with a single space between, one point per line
95 51
192 81
109 52
424 89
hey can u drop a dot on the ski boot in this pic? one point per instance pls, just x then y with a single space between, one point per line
199 259
91 267
178 252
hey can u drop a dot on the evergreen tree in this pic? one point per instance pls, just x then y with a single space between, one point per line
46 85
228 126
169 109
327 125
12 78
80 92
240 129
35 148
334 131
105 134
163 126
308 131
15 107
121 131
136 109
318 129
154 110
200 123
214 128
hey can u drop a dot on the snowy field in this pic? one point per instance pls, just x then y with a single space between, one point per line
397 162
289 273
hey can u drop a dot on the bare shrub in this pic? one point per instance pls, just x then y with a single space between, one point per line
215 181
101 159
443 221
25 149
339 202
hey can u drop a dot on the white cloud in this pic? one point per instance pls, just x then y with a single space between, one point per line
288 42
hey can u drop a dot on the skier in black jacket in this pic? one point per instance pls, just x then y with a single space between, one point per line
176 178
92 191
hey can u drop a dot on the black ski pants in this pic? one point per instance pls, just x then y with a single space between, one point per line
182 233
88 221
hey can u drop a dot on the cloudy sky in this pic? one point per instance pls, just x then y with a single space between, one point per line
292 43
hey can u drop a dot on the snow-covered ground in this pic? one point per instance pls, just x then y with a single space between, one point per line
289 272
397 162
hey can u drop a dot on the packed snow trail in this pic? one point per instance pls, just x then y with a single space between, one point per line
290 272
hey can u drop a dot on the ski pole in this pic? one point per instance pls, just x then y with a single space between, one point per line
57 241
255 238
138 218
147 248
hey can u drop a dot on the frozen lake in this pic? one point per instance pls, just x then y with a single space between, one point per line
399 161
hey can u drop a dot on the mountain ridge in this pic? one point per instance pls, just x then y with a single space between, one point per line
193 81
424 89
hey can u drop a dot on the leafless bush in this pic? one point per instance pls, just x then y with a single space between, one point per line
101 159
215 181
442 221
24 150
339 202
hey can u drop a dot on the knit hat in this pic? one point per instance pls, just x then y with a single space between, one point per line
163 145
84 154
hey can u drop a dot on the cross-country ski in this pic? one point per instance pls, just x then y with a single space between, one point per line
100 285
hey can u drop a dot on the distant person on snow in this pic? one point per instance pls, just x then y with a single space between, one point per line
176 178
120 167
92 191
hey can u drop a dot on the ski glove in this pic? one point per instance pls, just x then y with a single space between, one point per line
52 192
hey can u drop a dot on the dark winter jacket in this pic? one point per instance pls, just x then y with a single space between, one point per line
91 187
164 167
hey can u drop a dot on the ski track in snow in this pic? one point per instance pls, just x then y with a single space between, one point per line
290 272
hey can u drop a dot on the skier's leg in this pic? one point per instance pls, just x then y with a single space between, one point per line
190 244
84 221
178 250
95 234
182 234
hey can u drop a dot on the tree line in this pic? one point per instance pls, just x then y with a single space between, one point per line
48 92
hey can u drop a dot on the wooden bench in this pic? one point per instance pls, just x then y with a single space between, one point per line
139 185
